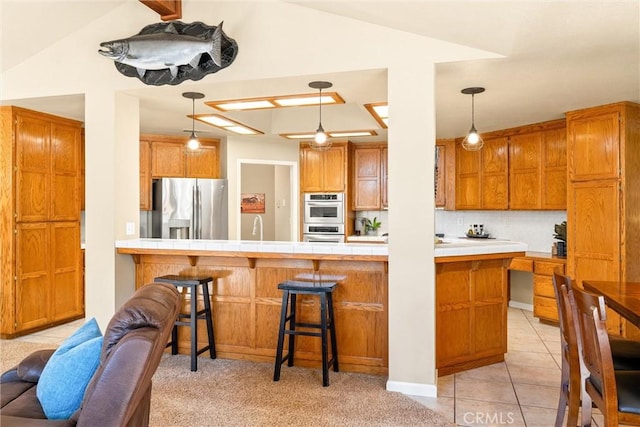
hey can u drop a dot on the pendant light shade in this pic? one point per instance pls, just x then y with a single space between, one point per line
193 144
473 141
320 141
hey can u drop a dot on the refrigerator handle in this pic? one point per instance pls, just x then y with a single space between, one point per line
197 213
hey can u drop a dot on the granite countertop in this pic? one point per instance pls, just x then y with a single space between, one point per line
449 246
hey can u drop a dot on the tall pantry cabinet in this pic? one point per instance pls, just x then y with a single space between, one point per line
603 199
41 282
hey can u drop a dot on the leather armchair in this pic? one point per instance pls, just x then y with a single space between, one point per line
119 394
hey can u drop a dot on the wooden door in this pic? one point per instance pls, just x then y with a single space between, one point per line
145 175
67 290
467 178
367 183
311 170
204 164
334 173
167 159
65 169
33 163
554 169
82 179
525 171
495 174
593 145
33 275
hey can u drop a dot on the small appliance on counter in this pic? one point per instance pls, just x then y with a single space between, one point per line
359 226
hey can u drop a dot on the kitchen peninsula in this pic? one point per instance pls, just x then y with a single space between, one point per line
246 301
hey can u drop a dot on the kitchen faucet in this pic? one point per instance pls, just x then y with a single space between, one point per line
257 219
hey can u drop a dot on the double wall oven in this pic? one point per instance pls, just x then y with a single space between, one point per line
323 217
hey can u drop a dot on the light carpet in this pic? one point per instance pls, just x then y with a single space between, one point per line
239 393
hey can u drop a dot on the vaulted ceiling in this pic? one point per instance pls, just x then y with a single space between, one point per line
557 56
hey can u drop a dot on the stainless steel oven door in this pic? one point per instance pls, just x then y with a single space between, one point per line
323 229
324 238
324 211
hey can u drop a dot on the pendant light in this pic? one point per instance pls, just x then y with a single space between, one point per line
320 141
473 141
193 144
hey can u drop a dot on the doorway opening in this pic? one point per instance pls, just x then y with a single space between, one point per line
277 182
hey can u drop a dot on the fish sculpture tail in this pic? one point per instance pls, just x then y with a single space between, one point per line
216 47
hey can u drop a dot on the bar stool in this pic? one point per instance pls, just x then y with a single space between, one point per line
324 290
191 319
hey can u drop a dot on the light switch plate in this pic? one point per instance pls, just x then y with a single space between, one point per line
130 228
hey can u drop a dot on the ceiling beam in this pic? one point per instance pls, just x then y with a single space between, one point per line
168 9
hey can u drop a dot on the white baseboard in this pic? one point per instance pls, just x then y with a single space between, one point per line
414 389
521 305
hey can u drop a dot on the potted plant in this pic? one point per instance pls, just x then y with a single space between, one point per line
371 226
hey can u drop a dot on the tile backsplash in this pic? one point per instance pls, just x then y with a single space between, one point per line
534 228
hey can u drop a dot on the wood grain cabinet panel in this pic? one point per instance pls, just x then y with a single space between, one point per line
482 176
603 233
385 177
323 171
369 177
167 159
42 168
554 169
145 176
470 306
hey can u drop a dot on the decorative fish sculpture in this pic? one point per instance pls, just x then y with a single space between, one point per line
175 47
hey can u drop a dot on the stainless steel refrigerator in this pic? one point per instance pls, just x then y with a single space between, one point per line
190 208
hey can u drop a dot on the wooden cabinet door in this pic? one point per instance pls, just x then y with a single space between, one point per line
525 171
33 275
594 239
65 170
334 170
467 178
33 163
145 175
67 291
311 170
593 145
204 164
495 174
167 160
384 170
554 169
440 176
367 183
81 185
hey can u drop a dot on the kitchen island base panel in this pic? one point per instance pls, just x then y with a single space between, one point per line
471 313
246 306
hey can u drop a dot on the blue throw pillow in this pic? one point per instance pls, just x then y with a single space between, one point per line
68 372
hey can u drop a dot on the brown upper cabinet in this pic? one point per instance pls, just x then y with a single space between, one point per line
445 177
369 177
482 176
323 171
47 167
170 160
538 167
523 168
165 157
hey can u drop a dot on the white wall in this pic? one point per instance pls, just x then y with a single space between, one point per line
276 39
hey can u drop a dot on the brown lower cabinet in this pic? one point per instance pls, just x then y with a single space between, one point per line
542 265
471 311
246 304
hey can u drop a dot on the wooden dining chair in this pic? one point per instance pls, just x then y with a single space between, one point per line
615 393
571 379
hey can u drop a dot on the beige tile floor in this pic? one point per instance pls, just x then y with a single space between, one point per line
521 391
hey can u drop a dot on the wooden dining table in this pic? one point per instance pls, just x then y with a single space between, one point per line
623 297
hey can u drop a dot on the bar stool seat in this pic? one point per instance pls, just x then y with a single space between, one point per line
191 319
292 288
